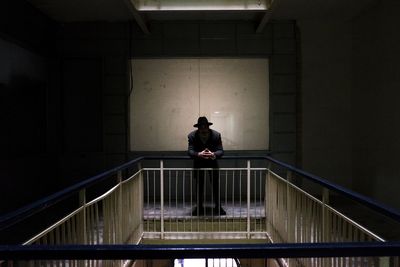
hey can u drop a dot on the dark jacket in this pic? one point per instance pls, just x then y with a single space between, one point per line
214 144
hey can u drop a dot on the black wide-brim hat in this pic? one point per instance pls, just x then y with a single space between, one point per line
202 121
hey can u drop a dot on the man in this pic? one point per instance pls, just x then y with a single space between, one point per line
205 146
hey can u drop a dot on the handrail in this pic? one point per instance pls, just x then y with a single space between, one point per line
27 211
18 215
135 252
371 203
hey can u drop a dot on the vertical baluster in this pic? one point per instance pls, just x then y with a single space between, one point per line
176 200
240 200
268 197
82 222
219 198
106 224
119 202
316 222
74 229
300 213
184 199
169 178
58 241
304 212
212 199
289 219
270 193
51 243
97 219
306 222
162 196
283 211
254 198
198 205
341 238
277 211
248 198
94 225
44 241
148 201
350 237
133 188
205 199
154 202
191 199
135 198
89 232
310 233
260 201
335 235
138 204
111 207
226 199
233 201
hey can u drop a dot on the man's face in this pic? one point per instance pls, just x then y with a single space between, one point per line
203 129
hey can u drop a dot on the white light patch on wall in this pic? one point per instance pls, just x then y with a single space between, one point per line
170 94
164 103
234 95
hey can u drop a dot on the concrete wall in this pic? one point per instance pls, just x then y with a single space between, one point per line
326 68
83 68
375 108
27 140
108 42
94 85
238 39
349 92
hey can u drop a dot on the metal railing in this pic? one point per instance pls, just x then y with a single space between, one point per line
112 218
172 200
295 216
158 202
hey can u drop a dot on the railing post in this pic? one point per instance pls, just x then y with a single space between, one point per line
248 197
139 212
289 210
162 196
82 203
119 219
267 198
82 238
384 262
325 221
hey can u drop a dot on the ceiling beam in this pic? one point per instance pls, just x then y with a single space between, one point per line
267 16
139 19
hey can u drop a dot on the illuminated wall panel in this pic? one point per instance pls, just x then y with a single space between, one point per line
170 94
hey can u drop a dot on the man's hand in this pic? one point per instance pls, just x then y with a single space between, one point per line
206 154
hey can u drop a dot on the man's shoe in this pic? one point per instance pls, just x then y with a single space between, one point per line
219 211
198 212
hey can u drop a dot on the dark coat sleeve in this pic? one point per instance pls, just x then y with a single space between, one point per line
192 153
219 150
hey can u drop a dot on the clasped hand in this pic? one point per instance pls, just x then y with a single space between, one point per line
207 154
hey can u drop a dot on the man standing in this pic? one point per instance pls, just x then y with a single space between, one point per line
205 146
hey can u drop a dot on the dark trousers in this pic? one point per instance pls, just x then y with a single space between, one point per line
201 186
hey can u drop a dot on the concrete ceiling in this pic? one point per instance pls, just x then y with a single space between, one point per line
312 9
117 10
